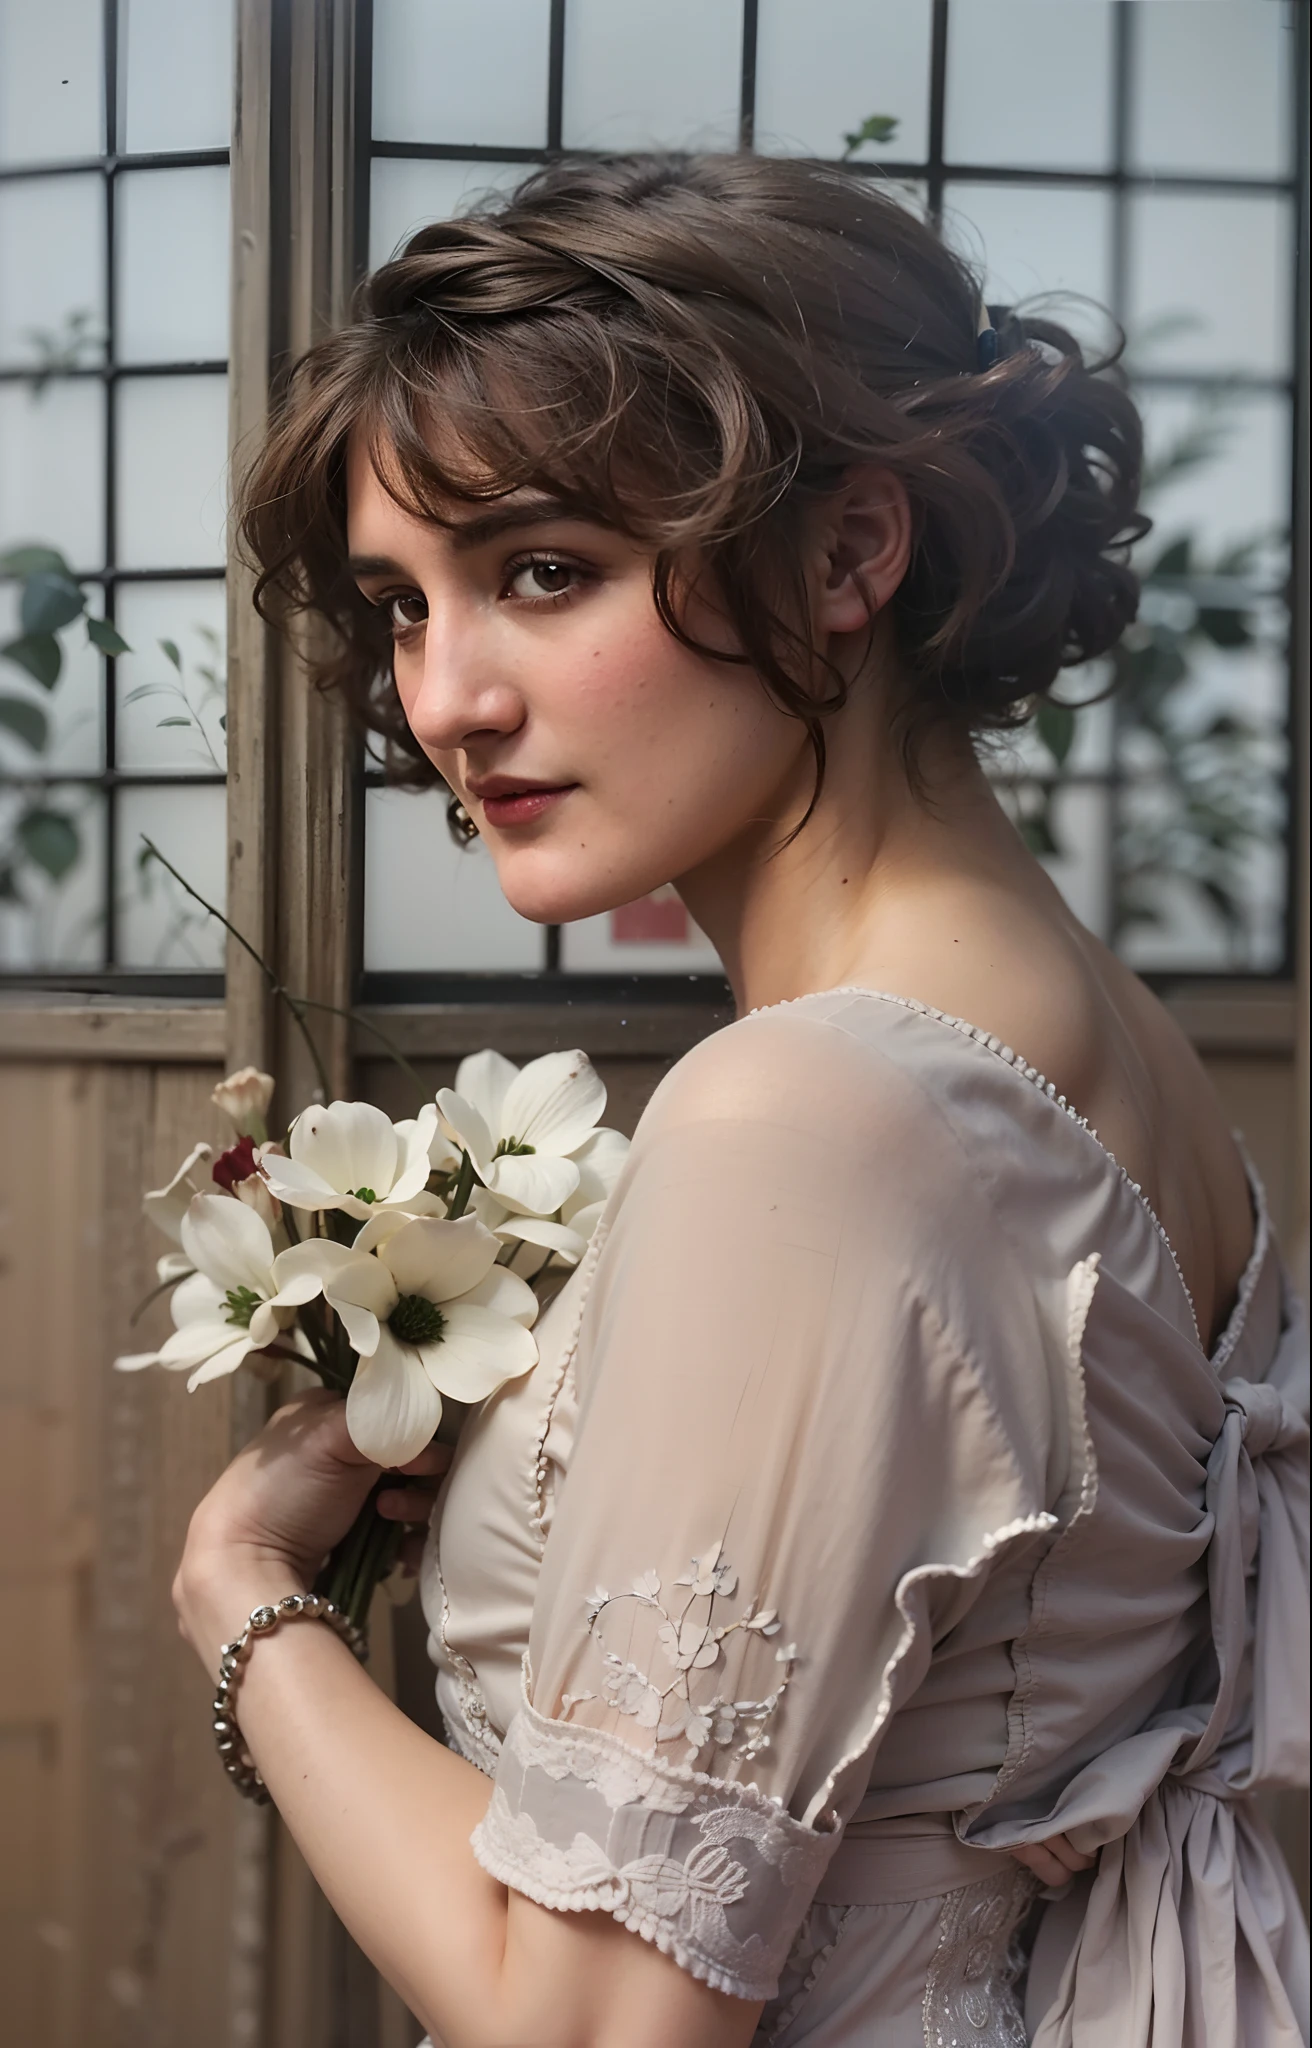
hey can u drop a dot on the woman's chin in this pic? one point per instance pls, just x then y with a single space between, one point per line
564 899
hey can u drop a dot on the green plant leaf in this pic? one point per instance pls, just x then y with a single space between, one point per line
169 649
160 723
1055 726
1224 626
150 690
1175 560
51 840
1036 831
106 637
9 892
34 561
39 654
875 128
25 719
49 602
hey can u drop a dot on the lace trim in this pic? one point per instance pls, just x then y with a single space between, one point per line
817 1938
970 1993
992 1043
586 1270
475 1737
717 1875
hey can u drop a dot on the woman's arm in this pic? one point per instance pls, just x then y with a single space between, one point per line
381 1812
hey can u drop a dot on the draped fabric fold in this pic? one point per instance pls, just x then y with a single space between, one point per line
1192 1932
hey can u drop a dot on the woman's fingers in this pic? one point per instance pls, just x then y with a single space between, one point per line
1053 1862
432 1461
406 1503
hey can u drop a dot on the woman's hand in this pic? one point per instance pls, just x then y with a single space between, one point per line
267 1524
1053 1862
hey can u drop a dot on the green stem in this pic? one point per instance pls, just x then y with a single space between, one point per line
367 1024
463 1188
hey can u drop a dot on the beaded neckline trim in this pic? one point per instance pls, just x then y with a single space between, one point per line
992 1043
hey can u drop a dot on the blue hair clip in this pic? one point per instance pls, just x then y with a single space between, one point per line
986 347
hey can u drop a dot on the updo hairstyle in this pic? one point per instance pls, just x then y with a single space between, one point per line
695 350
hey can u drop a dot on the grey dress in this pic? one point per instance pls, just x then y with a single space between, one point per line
873 1507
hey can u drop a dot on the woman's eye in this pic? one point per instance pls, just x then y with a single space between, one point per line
543 578
406 612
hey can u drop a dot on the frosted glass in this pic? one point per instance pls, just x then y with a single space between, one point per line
172 266
158 924
57 924
461 71
1188 936
1226 260
192 617
1011 756
172 459
431 906
643 74
74 708
822 68
1081 825
52 468
406 193
1212 92
1030 83
1242 491
1032 240
52 263
177 65
640 938
51 81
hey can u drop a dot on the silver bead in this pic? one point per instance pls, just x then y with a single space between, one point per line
291 1603
263 1619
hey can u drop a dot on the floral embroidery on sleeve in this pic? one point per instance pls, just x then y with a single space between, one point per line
691 1640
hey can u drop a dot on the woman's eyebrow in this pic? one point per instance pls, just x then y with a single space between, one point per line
484 526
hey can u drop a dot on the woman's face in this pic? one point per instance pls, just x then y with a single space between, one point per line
598 757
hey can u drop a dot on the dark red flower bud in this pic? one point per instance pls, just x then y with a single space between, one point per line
237 1163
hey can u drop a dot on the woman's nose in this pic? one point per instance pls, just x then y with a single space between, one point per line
461 690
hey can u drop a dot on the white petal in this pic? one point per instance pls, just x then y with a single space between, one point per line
553 1103
483 1080
469 1128
173 1266
505 1294
264 1326
222 1362
361 1325
584 1220
196 1300
439 1260
357 1286
392 1407
293 1182
167 1206
479 1351
413 1139
133 1361
350 1144
195 1341
533 1182
567 1242
384 1221
229 1242
600 1163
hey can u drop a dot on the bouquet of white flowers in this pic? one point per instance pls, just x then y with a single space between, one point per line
395 1260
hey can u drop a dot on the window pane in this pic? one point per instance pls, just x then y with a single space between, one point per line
172 457
1034 239
822 69
446 71
58 919
172 266
1241 491
406 193
1051 107
168 719
64 300
158 924
431 906
177 62
643 74
73 710
1078 823
52 478
1212 87
1179 926
654 936
1224 262
51 83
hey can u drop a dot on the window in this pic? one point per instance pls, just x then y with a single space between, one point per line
1139 155
114 125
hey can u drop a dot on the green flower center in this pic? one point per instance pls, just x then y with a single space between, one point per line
513 1148
416 1320
242 1304
363 1194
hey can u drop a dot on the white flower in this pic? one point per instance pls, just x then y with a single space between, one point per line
167 1206
232 1304
707 1575
429 1314
349 1155
520 1126
245 1097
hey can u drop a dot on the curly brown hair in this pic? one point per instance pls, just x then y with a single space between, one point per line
695 350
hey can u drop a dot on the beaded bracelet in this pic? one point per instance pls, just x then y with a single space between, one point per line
263 1620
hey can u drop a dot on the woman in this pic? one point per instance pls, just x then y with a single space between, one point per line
876 1540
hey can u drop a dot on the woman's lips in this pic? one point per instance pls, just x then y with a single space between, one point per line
522 806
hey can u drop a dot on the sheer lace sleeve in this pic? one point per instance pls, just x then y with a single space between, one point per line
812 1400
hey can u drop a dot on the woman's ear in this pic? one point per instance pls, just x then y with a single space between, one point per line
865 547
